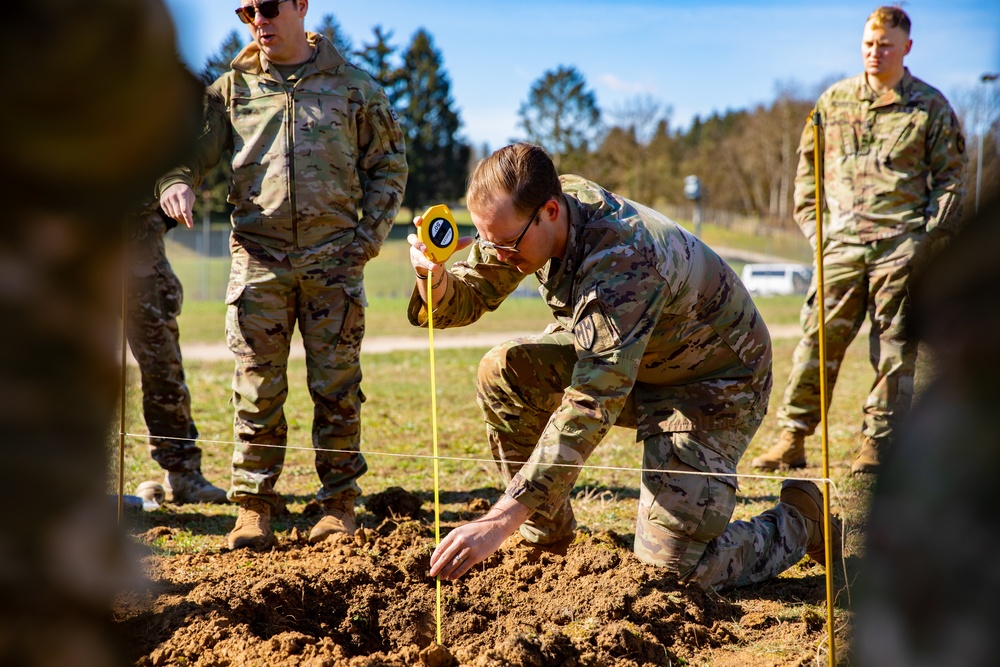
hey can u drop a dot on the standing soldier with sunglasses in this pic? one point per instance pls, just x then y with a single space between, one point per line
653 332
314 142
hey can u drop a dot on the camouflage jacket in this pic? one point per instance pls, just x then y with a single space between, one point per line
892 164
305 152
655 313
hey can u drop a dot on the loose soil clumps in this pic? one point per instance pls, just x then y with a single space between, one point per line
366 601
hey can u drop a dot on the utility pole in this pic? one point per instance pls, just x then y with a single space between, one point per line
692 191
984 79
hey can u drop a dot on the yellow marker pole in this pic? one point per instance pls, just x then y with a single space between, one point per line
823 390
121 405
434 441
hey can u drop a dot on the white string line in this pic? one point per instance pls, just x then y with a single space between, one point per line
466 459
463 459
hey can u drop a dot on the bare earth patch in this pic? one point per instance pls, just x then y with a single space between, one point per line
367 601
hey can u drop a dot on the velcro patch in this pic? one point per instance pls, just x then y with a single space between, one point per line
594 331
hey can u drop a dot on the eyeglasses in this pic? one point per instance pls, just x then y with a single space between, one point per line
268 9
490 245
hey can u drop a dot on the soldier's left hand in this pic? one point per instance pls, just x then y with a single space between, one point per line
417 249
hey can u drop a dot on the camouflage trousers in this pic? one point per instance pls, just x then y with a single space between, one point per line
859 279
266 298
683 521
154 302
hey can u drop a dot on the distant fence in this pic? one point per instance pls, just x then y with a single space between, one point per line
201 257
201 260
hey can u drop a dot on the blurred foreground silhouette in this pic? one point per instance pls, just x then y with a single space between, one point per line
930 589
97 107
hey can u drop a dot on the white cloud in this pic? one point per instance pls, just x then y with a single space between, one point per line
619 85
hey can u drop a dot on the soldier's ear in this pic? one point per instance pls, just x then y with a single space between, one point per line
909 45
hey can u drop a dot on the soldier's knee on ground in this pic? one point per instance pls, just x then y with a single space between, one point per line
679 514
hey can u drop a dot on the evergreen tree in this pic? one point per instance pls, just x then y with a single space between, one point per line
437 158
561 116
330 28
376 59
217 64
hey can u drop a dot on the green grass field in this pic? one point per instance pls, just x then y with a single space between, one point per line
397 427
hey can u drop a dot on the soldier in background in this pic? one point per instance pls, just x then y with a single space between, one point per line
894 164
102 110
314 143
654 332
154 298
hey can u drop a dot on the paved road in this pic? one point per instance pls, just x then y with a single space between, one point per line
379 344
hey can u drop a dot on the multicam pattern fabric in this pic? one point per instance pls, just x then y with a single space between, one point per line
893 163
858 280
154 302
893 181
684 524
266 298
653 331
306 152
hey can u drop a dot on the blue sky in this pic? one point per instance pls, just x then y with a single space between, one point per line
695 56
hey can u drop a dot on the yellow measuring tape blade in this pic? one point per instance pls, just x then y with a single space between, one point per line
434 441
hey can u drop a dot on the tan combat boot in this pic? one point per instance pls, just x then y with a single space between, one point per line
808 500
338 517
868 458
190 486
253 525
789 452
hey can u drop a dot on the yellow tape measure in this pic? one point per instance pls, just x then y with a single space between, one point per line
439 233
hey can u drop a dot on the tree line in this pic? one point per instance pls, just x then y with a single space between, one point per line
745 159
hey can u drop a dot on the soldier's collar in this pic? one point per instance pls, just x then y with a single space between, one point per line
900 93
556 270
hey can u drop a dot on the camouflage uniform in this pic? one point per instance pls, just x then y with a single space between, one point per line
307 152
653 332
154 302
893 180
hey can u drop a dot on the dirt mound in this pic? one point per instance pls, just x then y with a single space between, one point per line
367 601
394 502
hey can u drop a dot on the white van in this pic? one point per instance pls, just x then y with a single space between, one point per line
767 279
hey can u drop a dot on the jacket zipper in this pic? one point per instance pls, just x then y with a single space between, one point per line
290 148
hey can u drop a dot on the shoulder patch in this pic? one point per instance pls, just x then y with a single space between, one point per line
586 332
594 331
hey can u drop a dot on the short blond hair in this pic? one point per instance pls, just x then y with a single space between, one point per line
522 172
890 16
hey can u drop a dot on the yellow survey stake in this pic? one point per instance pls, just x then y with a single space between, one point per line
439 233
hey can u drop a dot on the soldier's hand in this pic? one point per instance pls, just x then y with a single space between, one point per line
476 541
177 201
421 263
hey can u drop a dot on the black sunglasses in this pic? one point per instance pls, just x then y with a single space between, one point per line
268 9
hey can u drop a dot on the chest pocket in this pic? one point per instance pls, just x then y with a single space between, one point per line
259 150
326 144
902 137
841 142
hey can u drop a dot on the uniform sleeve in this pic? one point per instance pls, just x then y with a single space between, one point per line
805 185
476 286
382 169
946 160
612 324
211 145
